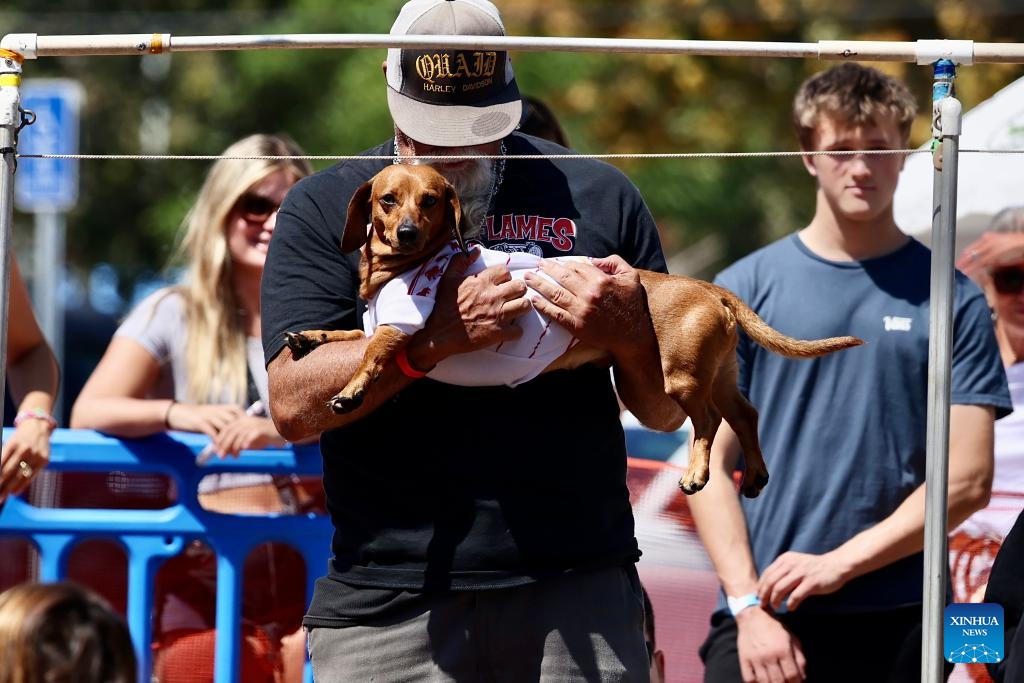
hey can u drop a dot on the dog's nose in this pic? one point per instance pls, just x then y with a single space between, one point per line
407 232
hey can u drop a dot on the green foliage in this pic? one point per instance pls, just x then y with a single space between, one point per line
332 101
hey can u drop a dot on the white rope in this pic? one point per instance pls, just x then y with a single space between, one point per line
622 155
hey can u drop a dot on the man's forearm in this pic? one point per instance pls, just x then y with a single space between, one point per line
901 534
723 531
300 389
969 486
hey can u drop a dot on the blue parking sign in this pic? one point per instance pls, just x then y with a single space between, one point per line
48 184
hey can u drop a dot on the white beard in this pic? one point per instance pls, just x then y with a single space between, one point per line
473 186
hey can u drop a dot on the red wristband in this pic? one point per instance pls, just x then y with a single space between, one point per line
402 359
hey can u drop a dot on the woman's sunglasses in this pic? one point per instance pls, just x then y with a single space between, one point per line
1008 280
255 208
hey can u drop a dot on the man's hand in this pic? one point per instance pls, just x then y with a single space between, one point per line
800 575
470 313
601 302
767 651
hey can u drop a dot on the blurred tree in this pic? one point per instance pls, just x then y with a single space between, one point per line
664 103
196 103
332 102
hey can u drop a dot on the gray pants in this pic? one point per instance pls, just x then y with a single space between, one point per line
577 627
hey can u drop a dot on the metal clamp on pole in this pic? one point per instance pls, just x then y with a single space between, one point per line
10 123
23 44
946 110
934 51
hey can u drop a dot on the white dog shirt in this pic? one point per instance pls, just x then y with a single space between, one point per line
406 301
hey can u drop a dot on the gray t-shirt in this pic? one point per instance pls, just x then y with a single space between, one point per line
158 324
844 435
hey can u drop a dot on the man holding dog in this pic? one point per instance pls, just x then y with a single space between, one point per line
823 570
480 532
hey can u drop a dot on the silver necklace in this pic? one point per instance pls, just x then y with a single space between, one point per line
499 176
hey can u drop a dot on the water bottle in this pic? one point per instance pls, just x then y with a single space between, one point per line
945 74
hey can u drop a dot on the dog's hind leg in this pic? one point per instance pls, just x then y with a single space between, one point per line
705 421
303 342
742 417
692 396
384 345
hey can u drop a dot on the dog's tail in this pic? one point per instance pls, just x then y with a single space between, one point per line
775 341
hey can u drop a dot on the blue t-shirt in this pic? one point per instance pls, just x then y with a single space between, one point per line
844 435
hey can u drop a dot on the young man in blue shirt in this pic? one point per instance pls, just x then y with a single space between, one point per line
823 571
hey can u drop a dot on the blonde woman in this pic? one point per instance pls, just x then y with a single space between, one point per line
189 358
32 376
186 357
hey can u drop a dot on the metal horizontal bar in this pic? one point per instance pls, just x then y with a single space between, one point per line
32 45
513 43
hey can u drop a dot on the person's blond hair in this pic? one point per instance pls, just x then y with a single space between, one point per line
216 347
855 94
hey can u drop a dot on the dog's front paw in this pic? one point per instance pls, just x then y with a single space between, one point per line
299 344
302 343
342 404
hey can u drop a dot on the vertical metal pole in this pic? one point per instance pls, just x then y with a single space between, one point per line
47 276
946 126
10 120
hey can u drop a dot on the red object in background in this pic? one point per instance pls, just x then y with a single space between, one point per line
674 568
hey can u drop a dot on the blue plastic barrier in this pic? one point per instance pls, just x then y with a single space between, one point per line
151 536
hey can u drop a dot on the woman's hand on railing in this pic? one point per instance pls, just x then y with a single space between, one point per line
209 419
26 453
248 432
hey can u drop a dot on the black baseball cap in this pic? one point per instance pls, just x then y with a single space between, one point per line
449 97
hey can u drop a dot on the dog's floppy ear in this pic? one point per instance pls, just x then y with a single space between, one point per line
453 211
356 224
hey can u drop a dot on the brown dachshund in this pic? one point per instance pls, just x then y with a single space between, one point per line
407 213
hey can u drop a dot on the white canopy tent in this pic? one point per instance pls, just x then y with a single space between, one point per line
987 182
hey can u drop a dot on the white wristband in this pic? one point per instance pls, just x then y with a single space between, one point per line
737 605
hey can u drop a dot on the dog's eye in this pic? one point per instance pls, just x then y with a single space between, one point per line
388 200
428 201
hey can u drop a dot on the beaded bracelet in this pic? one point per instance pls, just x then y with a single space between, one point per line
35 414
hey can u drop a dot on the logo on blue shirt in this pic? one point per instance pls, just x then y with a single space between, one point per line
895 323
973 633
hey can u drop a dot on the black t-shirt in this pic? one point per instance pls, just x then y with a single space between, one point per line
457 488
1006 588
